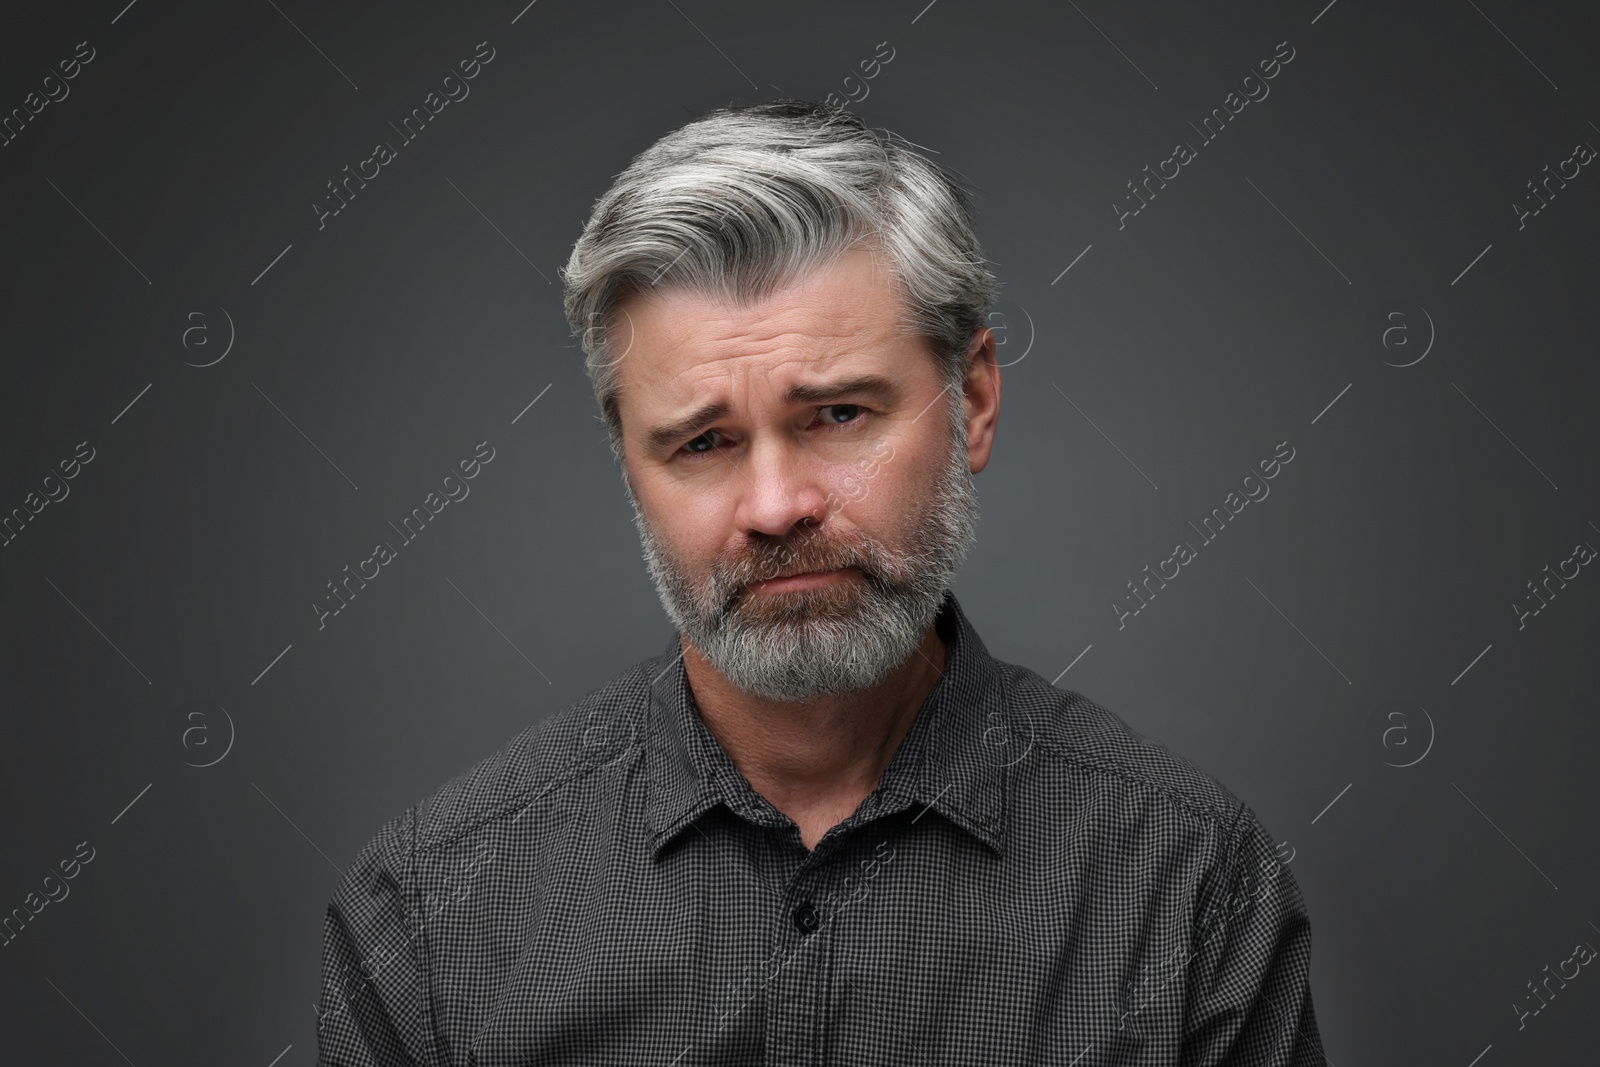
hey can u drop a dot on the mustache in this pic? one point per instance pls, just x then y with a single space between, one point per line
773 559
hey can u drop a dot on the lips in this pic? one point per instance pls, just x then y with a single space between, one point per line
798 579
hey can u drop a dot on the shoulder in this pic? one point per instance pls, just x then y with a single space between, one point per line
571 744
1146 796
1072 732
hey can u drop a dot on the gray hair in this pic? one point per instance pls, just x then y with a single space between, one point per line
743 200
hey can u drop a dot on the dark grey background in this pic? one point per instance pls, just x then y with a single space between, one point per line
1374 582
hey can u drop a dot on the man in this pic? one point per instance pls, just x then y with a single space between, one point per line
823 826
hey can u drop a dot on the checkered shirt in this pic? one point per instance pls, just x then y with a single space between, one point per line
1031 882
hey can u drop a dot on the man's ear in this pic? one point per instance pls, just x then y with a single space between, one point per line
981 397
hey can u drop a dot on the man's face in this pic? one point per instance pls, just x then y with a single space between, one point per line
800 476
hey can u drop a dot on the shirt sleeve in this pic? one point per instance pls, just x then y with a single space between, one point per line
375 1009
1249 999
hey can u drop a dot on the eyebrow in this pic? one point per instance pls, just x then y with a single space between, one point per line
882 389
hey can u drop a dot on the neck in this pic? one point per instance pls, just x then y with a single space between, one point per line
815 759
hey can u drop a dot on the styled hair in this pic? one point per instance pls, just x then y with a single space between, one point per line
744 200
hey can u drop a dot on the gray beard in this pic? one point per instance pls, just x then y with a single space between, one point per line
843 637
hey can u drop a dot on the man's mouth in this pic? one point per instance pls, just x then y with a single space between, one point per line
796 581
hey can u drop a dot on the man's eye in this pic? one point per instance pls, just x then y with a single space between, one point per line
700 445
831 415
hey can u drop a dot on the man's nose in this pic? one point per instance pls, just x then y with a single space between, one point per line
781 489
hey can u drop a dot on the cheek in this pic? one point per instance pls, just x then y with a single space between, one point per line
694 523
881 492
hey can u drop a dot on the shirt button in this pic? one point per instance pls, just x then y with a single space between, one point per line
805 917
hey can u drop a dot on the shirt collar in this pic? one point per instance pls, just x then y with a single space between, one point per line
953 759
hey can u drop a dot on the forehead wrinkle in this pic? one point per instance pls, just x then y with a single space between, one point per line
744 350
745 387
807 310
859 276
801 330
785 354
758 335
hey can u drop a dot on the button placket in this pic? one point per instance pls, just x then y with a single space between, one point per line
806 919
